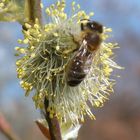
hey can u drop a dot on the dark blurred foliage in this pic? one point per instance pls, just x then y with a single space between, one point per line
119 119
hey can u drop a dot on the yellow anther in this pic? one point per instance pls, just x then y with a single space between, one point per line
55 34
73 3
41 5
25 41
27 25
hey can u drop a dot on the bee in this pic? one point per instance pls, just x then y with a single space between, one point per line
80 64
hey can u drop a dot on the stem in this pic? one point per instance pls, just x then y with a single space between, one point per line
6 129
33 11
53 123
10 135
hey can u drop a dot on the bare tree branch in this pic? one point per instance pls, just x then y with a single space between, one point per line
6 129
33 10
53 123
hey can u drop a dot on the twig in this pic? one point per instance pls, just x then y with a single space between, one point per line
33 10
53 123
6 129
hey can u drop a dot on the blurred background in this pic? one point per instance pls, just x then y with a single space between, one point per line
119 119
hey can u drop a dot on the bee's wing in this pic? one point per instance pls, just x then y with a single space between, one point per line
83 44
82 49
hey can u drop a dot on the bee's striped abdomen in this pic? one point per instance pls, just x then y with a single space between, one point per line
75 75
78 67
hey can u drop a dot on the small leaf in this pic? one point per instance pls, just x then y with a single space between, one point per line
43 127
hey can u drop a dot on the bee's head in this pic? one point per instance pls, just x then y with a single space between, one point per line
91 25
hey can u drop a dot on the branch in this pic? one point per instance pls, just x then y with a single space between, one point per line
33 11
6 129
53 123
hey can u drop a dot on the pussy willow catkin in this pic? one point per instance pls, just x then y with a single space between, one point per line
43 57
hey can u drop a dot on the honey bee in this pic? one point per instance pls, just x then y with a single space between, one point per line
79 66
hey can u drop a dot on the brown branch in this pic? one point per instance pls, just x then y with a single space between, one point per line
6 129
53 123
33 11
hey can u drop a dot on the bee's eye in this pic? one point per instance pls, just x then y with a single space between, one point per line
92 26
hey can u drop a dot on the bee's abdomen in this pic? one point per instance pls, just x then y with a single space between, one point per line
77 71
75 78
79 66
